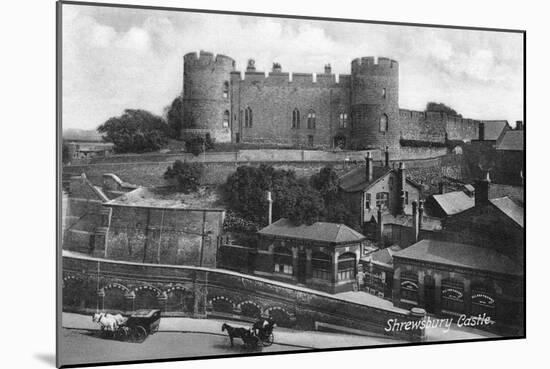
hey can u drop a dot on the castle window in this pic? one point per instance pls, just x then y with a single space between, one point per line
343 120
311 119
296 119
226 119
383 123
248 117
225 89
384 93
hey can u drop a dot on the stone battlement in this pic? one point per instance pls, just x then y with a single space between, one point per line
369 64
205 58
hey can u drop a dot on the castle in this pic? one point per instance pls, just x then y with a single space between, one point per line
356 111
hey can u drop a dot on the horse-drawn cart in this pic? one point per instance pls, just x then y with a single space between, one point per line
138 326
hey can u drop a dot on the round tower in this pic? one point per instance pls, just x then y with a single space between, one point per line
375 103
207 95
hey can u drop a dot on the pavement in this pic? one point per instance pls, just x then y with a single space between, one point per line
283 336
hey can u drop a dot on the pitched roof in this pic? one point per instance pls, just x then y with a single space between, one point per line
319 231
383 256
406 220
454 202
510 208
494 128
356 179
461 255
512 141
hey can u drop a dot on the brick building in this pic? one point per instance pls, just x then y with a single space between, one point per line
448 278
354 111
322 256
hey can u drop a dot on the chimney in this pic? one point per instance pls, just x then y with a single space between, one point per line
415 221
328 69
519 125
401 178
420 215
482 190
368 167
251 65
277 68
270 208
386 158
481 131
380 229
441 188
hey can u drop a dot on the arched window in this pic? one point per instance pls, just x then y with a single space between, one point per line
320 265
296 119
383 93
248 117
383 123
311 119
226 119
282 260
346 267
343 120
225 90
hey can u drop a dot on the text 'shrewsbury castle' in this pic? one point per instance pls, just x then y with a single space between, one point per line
359 111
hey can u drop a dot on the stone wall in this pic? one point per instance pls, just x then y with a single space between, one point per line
90 284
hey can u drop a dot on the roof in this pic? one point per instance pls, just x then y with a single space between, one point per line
166 198
319 231
493 129
516 193
454 202
510 208
356 179
512 141
383 256
460 255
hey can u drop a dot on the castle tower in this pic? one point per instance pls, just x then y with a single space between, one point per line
206 95
375 104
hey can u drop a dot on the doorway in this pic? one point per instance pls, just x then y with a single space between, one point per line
429 294
302 262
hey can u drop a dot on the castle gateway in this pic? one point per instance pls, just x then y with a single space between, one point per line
354 111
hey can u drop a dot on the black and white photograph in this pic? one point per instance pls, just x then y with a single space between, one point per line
239 184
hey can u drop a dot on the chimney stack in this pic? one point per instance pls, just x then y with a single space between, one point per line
401 178
380 229
441 188
482 190
277 68
420 215
368 167
386 158
519 125
415 221
328 69
270 208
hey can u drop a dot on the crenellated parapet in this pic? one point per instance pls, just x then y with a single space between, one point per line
208 59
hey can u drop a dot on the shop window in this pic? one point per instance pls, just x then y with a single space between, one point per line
409 287
452 295
282 260
320 266
346 267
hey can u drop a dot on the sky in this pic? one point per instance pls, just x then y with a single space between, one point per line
116 59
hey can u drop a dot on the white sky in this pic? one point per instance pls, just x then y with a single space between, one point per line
114 59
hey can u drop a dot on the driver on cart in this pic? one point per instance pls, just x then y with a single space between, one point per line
261 324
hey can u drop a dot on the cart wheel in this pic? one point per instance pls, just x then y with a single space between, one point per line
139 334
121 334
269 340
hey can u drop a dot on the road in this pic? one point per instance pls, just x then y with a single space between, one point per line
81 346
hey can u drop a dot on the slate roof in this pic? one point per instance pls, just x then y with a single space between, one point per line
460 255
510 208
319 231
494 128
512 141
356 179
454 202
383 256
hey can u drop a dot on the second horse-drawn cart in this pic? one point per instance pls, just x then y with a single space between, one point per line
138 326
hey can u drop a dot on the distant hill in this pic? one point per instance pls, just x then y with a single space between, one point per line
74 134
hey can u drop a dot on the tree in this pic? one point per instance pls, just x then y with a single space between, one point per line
65 154
186 175
245 194
196 144
327 183
135 131
174 117
440 107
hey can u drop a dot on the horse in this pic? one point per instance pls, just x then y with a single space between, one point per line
108 321
244 334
